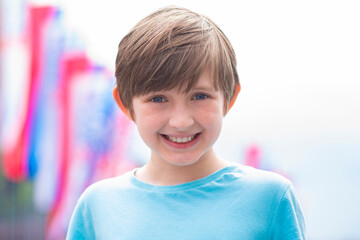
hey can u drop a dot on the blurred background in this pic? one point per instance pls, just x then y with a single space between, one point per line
298 113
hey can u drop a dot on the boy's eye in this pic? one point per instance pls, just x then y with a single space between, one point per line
200 96
157 99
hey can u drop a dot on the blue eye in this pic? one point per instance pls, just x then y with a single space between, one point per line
200 97
158 99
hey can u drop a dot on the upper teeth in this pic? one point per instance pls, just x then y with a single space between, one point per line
180 139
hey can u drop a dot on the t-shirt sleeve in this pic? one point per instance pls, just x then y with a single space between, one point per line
288 222
80 226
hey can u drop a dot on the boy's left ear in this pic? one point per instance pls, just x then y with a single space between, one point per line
124 109
237 90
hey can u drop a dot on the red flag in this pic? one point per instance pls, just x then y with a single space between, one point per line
16 150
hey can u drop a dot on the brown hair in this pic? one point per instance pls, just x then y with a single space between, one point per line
172 47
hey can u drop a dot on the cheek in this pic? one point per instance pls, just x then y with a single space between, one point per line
148 123
148 129
211 117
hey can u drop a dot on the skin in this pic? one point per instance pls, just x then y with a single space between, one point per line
162 116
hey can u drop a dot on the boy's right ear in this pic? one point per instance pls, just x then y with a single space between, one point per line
124 109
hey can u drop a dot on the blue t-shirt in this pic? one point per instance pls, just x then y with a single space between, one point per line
236 202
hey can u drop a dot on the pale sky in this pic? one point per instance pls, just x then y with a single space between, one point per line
298 62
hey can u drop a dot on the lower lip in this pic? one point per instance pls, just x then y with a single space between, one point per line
182 145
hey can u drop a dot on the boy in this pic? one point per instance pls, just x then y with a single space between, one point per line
176 79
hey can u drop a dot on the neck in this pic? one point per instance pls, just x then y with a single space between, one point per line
165 174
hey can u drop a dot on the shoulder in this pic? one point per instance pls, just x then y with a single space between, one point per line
258 177
276 194
96 204
106 187
258 183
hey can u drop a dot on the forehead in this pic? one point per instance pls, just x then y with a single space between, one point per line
201 82
205 82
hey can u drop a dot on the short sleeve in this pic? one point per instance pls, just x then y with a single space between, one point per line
288 221
80 226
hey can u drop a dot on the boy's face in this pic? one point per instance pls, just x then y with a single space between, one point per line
181 128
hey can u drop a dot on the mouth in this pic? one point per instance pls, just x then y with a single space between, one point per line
181 140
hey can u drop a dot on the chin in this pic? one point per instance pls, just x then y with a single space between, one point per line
183 163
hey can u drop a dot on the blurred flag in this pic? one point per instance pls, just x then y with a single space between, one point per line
93 140
60 126
15 87
71 65
254 158
41 56
44 144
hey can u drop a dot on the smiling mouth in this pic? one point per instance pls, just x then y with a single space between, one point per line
181 139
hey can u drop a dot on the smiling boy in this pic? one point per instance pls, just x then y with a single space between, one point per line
177 79
180 128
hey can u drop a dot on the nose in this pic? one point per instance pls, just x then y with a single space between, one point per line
181 117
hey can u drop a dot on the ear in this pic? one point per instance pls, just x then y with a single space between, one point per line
237 90
120 104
